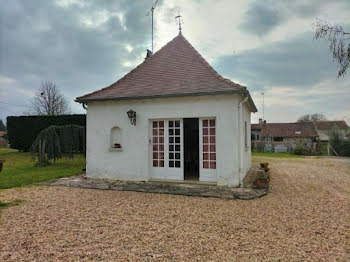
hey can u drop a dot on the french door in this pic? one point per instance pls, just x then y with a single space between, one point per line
207 144
167 149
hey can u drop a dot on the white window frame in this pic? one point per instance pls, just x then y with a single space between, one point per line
166 172
207 174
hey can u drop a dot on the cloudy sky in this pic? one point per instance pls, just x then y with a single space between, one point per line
84 45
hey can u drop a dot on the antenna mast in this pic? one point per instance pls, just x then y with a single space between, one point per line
151 11
263 94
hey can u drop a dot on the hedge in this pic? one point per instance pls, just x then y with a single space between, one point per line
23 130
345 149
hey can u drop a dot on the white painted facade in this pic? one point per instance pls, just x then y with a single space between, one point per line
108 123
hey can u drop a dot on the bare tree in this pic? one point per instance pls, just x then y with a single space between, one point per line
49 100
339 43
311 117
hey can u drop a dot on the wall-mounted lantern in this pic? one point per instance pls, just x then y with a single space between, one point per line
132 117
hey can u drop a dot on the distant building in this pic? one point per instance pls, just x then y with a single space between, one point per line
256 130
325 127
284 136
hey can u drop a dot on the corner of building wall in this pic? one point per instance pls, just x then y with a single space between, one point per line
231 182
244 172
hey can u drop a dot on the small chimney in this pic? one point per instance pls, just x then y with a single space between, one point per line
264 122
260 121
149 54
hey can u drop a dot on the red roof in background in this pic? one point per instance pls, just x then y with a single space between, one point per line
329 125
177 69
305 129
2 133
256 126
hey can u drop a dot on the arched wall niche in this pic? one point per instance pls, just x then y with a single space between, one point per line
115 139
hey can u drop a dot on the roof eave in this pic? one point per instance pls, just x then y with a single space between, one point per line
239 91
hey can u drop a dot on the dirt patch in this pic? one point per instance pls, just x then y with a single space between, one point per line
304 217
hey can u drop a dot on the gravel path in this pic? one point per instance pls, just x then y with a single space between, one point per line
305 217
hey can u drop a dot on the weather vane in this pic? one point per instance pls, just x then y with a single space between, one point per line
179 20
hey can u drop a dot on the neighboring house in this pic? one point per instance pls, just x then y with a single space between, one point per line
299 133
324 128
256 130
173 117
284 136
3 141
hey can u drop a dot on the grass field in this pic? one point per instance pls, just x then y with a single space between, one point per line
278 155
19 169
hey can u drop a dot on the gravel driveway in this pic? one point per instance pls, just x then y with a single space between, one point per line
304 217
343 160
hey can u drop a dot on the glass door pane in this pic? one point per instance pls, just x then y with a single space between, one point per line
174 144
158 143
209 144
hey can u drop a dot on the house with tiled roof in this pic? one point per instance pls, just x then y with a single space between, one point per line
173 117
287 135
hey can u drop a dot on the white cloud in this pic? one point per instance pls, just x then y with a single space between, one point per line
4 81
129 48
214 28
67 3
121 18
84 62
211 28
10 87
96 19
286 104
343 115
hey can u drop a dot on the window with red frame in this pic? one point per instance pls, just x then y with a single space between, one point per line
209 144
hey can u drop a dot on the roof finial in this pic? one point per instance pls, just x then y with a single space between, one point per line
179 21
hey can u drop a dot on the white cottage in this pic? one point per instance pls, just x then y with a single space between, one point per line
173 117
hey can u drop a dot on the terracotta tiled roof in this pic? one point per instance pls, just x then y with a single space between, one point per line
329 125
177 69
306 129
256 126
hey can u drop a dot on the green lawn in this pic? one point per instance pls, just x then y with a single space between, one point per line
281 155
20 170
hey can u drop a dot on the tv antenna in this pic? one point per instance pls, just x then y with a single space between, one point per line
263 95
151 11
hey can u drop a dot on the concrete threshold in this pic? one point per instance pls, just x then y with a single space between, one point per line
189 188
173 181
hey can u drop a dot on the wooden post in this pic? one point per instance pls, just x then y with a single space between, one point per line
328 148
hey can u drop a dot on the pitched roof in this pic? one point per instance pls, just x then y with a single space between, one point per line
306 129
329 125
177 69
2 133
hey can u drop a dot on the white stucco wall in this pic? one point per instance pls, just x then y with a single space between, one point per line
246 149
133 162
